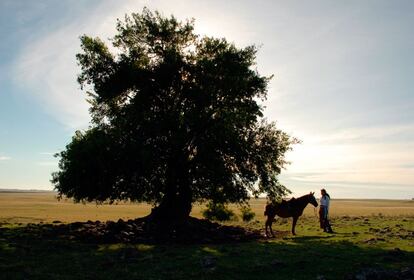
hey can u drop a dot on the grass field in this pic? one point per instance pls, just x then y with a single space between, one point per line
44 207
377 234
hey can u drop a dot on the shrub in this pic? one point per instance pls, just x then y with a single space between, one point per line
218 212
247 213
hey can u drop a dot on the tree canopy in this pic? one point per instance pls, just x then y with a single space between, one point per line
175 119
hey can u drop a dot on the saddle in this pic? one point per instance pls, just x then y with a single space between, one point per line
286 204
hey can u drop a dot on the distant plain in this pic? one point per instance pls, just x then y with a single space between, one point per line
35 207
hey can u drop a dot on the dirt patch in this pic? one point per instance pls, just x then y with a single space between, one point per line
373 240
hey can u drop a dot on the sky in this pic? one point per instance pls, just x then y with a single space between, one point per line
342 84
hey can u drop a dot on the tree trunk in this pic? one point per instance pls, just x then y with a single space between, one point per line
174 208
177 202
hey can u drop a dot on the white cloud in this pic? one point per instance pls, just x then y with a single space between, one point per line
316 59
47 163
5 158
46 153
361 159
46 69
368 134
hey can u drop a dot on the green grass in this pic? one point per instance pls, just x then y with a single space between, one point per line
367 233
359 242
44 207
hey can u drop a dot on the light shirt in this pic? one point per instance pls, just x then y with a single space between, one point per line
325 201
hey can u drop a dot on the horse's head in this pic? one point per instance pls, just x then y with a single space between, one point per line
312 199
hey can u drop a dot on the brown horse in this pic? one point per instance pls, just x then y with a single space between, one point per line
292 208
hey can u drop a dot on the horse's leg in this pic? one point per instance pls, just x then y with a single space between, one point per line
266 226
271 230
295 219
271 222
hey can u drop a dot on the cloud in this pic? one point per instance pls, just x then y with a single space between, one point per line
408 165
5 158
400 133
47 71
47 154
328 91
379 156
46 68
47 163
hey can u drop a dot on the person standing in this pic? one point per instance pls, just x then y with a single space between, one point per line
324 212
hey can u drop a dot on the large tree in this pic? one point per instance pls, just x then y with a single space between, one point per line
175 119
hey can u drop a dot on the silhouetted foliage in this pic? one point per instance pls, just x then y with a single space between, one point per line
247 213
175 119
218 212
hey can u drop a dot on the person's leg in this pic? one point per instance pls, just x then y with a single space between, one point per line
325 219
321 217
328 226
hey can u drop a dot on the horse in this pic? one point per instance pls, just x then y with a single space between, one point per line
292 208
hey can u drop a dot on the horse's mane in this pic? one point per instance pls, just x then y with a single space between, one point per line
293 200
301 198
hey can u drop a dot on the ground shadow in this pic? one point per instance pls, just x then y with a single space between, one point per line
38 254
